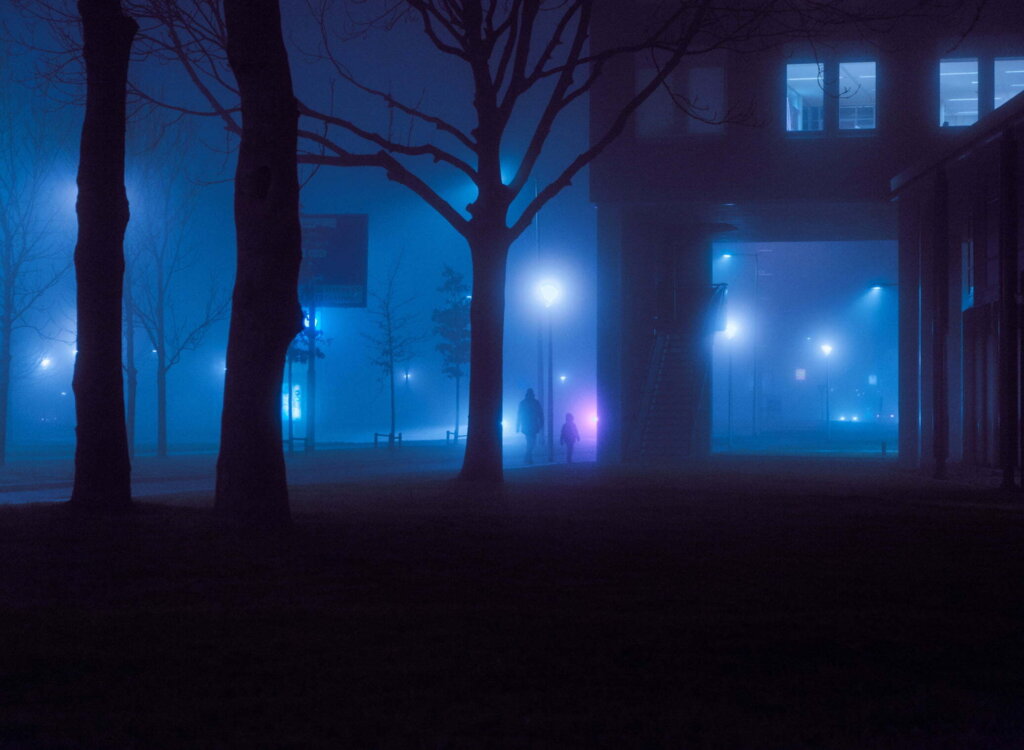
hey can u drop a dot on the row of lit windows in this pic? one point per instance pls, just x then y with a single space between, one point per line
959 95
855 87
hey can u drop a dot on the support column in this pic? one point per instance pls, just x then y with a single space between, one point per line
1008 407
909 334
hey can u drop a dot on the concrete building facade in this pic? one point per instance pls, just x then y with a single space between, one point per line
792 143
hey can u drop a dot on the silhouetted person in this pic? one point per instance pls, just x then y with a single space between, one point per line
570 436
529 421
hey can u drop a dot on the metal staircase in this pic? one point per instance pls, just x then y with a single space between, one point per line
674 419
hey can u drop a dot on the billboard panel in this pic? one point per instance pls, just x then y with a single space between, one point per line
334 258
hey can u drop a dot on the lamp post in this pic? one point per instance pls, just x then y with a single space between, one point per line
549 292
731 329
753 335
826 349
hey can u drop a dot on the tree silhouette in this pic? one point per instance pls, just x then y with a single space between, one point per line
102 468
265 313
451 325
162 256
30 262
394 339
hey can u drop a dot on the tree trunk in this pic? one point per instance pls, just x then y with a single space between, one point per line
458 398
265 314
482 460
161 405
161 362
102 468
391 385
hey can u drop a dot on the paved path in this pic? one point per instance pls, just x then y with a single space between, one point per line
34 480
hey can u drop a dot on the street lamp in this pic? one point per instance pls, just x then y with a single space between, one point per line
549 292
826 349
731 329
753 334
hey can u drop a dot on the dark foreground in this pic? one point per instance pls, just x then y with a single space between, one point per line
809 605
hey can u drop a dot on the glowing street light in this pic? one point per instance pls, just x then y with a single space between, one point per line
826 349
45 363
549 292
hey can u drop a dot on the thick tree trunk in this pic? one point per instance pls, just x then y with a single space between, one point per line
482 461
102 468
265 314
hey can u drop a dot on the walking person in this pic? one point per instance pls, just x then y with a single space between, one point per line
570 436
529 421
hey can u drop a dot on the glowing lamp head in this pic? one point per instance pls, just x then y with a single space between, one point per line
549 292
562 378
726 256
826 349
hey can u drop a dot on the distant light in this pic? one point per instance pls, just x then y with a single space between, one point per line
855 419
872 380
63 393
876 288
726 256
731 329
503 424
408 375
562 378
892 416
549 291
154 351
594 419
826 349
45 363
801 373
842 419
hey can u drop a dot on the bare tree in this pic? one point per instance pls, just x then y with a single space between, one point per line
265 312
162 258
394 338
31 264
102 468
451 325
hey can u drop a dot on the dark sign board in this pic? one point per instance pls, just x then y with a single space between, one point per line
334 251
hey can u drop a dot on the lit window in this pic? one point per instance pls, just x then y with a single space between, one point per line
1009 79
856 96
958 92
805 89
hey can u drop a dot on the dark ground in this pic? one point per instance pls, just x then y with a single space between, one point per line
794 604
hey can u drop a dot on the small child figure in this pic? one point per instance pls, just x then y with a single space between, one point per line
570 436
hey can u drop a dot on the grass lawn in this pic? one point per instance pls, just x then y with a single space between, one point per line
727 606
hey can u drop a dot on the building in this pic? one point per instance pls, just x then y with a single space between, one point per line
960 328
794 149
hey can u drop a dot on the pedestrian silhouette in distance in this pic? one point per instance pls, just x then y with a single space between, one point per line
570 436
529 421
